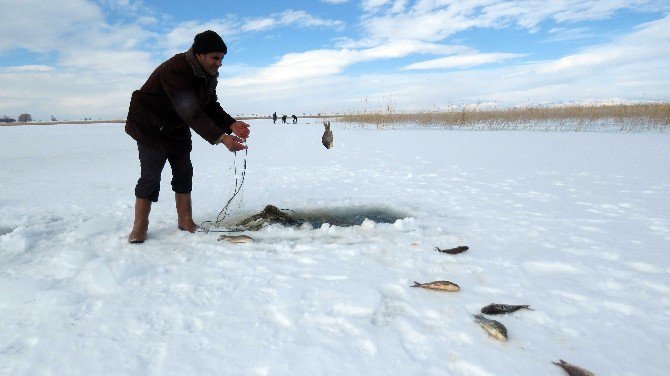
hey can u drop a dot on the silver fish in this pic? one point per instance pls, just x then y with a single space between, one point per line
327 138
453 251
493 327
573 370
237 239
498 309
438 285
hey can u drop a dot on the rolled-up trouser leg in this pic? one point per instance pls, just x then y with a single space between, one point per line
182 172
152 162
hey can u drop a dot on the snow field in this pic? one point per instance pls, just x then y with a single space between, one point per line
574 224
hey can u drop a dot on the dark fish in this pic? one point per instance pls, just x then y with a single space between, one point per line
438 285
573 370
498 309
493 327
327 138
454 251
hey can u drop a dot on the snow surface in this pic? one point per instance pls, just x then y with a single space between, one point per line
575 224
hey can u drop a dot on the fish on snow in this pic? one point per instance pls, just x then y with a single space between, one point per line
453 251
499 309
572 369
438 285
493 327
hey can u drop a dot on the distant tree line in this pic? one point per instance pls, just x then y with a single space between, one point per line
27 118
23 118
6 119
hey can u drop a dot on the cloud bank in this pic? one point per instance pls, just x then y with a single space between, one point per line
81 59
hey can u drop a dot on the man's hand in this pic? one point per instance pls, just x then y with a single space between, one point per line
240 129
233 143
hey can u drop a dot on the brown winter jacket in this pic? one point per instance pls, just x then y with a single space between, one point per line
177 95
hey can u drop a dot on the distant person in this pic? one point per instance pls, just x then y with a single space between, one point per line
274 118
180 94
283 119
295 119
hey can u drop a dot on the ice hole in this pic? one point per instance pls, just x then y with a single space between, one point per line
347 216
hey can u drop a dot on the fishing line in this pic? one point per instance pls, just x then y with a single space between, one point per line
238 187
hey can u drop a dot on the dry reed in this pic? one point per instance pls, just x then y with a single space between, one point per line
625 117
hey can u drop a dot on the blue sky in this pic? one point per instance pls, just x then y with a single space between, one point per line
83 58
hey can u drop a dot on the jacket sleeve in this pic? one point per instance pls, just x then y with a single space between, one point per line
182 92
219 115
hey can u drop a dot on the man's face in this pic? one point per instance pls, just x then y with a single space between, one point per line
210 62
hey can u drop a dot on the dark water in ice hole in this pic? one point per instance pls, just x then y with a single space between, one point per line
345 217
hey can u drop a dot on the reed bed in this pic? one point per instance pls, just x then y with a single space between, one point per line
624 117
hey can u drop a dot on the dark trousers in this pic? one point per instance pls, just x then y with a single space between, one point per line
152 162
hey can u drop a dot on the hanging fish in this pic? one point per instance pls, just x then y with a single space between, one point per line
573 370
438 285
453 251
499 309
327 138
493 327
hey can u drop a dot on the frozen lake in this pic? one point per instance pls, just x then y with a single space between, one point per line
577 225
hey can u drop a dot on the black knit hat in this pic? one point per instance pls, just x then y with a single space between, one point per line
208 41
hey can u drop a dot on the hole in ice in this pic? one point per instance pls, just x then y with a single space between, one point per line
348 216
342 216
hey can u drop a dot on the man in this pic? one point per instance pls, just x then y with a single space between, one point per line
274 118
180 94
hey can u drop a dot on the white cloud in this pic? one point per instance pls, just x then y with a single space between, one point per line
69 94
633 67
289 17
326 62
93 66
304 19
649 42
180 38
109 62
435 20
402 48
568 33
44 26
260 24
27 68
462 61
122 5
299 66
372 5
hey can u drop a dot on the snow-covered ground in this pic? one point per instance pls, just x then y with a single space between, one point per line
575 224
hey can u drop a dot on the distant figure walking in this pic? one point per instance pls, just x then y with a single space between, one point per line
295 119
327 138
283 119
274 118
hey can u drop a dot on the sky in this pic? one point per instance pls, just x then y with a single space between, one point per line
76 59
